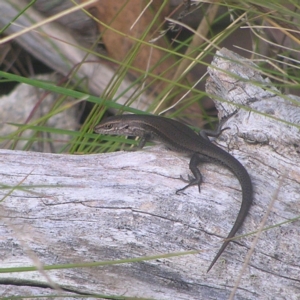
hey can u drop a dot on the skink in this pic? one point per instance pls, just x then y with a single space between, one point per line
180 138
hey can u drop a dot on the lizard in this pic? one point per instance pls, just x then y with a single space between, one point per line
181 138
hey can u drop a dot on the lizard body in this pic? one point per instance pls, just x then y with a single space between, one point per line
180 138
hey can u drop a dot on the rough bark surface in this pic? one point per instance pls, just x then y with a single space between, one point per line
74 209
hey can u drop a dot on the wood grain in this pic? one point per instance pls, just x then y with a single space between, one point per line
122 205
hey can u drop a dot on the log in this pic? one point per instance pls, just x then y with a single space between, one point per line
60 209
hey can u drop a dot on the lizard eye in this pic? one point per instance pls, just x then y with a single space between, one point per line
108 126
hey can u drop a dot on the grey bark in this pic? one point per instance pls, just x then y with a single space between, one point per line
113 206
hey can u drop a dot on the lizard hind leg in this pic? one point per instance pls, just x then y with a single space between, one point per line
191 181
205 133
197 179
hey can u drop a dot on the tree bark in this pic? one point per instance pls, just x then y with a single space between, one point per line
64 209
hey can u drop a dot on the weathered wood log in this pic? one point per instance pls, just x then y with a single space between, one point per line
72 209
